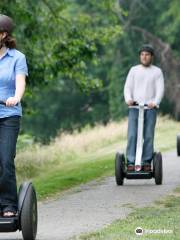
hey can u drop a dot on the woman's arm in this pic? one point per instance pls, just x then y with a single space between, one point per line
20 88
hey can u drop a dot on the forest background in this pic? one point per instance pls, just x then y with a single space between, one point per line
79 53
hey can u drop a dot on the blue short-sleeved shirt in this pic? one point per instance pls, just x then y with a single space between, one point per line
13 62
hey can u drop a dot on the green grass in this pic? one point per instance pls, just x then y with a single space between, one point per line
74 159
63 178
165 215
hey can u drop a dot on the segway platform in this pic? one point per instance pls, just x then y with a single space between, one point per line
121 172
139 175
8 224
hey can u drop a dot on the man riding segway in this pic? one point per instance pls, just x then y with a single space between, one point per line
144 85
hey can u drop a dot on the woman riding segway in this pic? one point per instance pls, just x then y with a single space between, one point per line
13 71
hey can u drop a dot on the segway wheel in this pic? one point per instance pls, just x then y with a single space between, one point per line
158 168
119 168
29 215
178 145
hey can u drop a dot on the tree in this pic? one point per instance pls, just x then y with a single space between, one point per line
150 21
63 44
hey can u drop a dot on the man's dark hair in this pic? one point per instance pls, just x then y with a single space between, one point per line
147 48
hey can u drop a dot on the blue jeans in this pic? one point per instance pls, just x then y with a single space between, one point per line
150 116
9 129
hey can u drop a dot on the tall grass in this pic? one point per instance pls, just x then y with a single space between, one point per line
69 148
96 144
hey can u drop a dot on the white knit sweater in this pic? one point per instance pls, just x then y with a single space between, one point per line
144 85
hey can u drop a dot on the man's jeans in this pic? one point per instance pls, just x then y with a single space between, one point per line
9 129
150 116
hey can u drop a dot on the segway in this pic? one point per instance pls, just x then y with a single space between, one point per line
178 145
26 218
120 161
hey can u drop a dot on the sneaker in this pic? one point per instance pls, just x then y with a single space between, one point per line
147 167
9 214
138 168
9 211
130 168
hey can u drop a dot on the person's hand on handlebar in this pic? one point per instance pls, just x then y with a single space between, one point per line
151 105
130 102
12 101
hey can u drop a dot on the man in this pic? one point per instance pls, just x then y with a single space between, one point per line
144 84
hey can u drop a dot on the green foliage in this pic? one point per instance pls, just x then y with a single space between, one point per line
170 22
58 43
79 53
64 42
65 109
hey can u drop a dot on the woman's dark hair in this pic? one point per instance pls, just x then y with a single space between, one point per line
10 42
7 25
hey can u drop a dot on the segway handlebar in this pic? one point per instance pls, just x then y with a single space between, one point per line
3 102
141 105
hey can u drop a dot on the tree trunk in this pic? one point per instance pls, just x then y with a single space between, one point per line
170 66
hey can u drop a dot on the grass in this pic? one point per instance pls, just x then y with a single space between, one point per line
63 178
161 222
73 159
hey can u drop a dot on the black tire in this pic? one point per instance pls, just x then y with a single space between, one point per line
178 145
119 168
158 168
29 215
153 162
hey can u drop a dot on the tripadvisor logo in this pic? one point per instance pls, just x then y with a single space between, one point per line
139 231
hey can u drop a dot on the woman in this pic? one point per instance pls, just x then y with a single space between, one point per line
13 71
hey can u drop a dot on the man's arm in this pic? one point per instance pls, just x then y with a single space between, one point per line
159 88
128 88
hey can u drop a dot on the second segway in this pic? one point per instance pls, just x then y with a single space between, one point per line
178 145
120 160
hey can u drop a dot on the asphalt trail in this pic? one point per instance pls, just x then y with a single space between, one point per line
92 206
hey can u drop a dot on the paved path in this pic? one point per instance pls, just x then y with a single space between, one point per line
92 206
